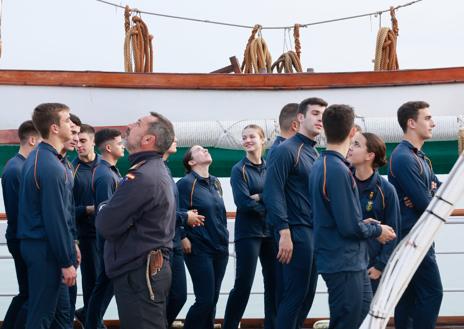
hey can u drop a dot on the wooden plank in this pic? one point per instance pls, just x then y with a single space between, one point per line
294 81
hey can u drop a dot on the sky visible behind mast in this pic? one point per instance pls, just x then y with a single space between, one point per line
88 35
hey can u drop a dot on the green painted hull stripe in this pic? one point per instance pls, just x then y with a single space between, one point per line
443 155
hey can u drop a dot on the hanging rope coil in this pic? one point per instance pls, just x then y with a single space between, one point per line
138 44
257 58
386 58
290 61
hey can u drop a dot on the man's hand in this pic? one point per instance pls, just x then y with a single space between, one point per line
387 234
78 255
90 210
374 274
255 197
371 221
186 246
407 202
194 218
285 247
69 275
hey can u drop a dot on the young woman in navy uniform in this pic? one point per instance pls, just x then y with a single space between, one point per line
205 247
378 197
253 238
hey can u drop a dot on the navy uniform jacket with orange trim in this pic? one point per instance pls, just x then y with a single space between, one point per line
44 210
205 195
83 196
11 178
411 174
379 201
279 140
286 187
340 235
105 180
247 179
139 217
181 216
72 205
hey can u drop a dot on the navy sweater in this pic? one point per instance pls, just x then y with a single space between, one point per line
411 174
44 209
83 196
340 236
205 195
139 217
379 201
106 179
286 185
277 142
11 177
247 179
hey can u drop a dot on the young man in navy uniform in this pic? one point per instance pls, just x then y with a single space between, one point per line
288 125
286 199
138 223
29 137
412 175
104 182
83 167
45 222
340 232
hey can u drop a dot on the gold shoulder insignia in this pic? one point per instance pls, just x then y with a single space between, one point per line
137 165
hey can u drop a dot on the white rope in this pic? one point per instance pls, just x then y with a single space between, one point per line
410 252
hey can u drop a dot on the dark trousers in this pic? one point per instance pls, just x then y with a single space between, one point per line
64 317
102 293
178 292
135 307
46 304
207 271
297 280
72 294
350 295
247 252
421 301
89 267
16 315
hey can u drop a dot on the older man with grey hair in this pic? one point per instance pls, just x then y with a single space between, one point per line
138 223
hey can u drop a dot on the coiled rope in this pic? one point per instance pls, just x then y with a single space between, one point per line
257 58
138 44
386 58
291 59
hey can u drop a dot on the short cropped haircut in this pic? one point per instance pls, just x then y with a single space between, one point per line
85 128
45 115
163 129
287 116
104 136
304 105
26 130
75 119
410 110
338 120
377 146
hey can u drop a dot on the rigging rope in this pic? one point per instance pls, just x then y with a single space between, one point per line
138 45
257 58
386 58
291 59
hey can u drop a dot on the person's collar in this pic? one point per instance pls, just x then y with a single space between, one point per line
144 155
305 139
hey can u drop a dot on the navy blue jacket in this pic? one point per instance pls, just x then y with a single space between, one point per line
71 204
44 209
247 179
139 217
181 216
11 178
379 201
205 195
340 236
83 196
286 185
411 174
105 181
277 142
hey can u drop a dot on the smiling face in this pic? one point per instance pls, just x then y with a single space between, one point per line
252 140
311 123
